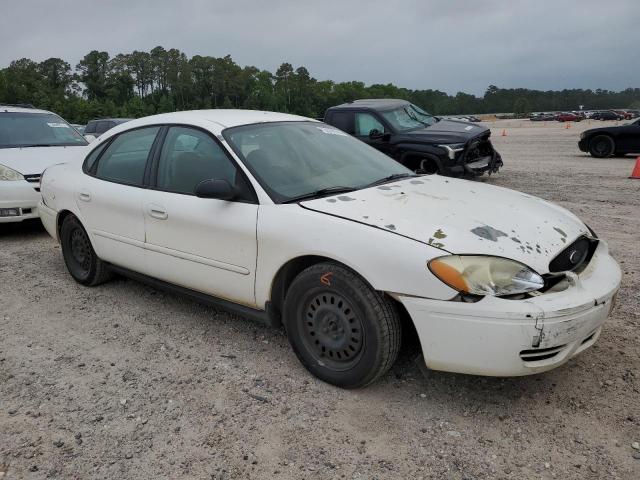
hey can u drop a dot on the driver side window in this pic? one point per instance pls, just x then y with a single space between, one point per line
365 122
190 156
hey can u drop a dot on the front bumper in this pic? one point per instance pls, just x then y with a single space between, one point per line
583 144
18 201
502 337
490 164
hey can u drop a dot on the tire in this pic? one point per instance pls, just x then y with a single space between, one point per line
82 262
344 332
602 146
427 166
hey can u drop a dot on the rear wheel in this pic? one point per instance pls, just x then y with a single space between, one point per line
81 260
342 330
602 146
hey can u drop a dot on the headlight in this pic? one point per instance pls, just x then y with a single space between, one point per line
452 149
481 275
9 174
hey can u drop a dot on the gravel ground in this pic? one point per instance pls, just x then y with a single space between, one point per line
124 381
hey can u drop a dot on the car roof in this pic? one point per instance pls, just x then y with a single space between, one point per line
373 103
117 120
18 109
214 120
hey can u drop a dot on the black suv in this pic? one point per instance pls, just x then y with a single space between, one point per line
101 125
417 139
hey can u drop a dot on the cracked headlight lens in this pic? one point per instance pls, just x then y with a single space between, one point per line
484 275
9 174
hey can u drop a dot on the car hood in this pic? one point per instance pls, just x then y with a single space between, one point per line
605 128
463 217
33 160
447 131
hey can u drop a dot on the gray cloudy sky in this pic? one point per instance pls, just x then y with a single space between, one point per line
442 44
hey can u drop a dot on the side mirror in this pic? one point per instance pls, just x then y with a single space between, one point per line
218 189
375 134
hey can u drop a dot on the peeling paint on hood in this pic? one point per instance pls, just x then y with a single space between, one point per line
465 217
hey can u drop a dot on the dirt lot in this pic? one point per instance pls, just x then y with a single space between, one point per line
123 381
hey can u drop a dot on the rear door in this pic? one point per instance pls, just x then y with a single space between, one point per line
204 244
110 198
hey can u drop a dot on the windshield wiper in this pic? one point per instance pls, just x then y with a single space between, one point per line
390 178
320 193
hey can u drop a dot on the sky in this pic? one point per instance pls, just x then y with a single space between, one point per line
449 45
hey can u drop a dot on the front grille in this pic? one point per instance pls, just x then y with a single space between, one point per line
575 256
34 180
540 353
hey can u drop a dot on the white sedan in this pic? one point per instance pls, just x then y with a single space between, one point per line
288 220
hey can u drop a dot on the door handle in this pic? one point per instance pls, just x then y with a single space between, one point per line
157 211
84 195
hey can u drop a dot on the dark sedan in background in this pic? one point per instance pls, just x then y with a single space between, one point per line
606 141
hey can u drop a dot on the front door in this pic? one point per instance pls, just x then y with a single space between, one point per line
204 244
366 124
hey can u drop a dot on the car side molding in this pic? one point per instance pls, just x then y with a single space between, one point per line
267 317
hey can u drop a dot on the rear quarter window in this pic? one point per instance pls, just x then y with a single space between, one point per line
343 121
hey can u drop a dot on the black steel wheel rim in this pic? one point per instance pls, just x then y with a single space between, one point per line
80 250
602 146
332 331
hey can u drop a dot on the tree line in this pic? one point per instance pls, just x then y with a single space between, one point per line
144 83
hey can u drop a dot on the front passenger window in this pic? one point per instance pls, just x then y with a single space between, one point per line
365 122
190 156
125 158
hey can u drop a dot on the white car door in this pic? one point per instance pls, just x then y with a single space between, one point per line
204 244
111 197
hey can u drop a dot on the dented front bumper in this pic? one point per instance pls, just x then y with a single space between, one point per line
502 337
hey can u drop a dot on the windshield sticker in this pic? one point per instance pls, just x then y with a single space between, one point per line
58 125
332 131
470 127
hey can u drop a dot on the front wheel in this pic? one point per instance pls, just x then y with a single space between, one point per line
82 262
342 330
601 146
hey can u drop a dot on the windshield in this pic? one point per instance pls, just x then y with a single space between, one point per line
21 129
409 117
296 159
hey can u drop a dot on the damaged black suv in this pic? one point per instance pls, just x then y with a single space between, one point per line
418 140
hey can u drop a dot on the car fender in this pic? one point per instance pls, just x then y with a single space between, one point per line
58 190
389 262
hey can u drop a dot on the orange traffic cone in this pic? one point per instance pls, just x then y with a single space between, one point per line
504 132
636 170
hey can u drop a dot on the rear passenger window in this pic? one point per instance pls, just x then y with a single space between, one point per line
91 127
125 158
92 157
343 121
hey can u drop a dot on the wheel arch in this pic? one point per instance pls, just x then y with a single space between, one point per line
62 214
410 155
290 270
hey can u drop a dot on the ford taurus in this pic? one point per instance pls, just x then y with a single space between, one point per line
294 222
